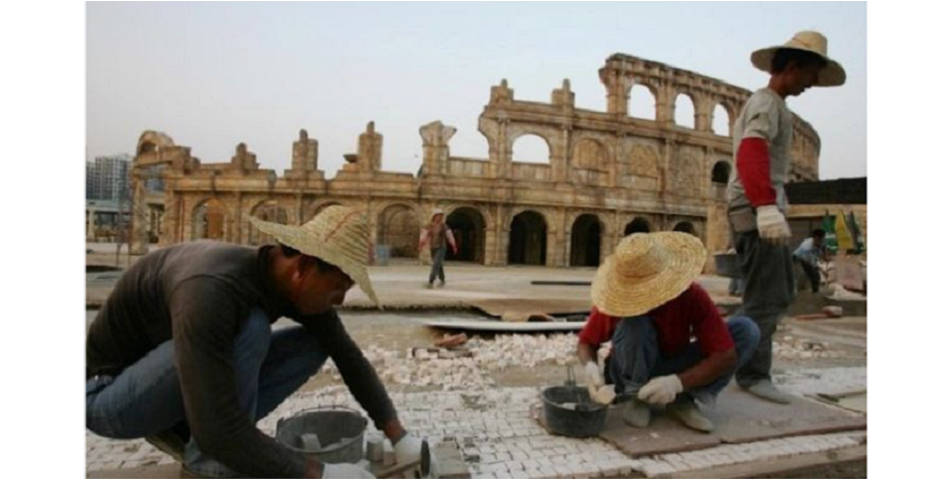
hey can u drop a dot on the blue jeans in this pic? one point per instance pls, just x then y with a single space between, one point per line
636 357
146 398
438 259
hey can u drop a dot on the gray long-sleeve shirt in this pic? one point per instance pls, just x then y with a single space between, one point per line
197 294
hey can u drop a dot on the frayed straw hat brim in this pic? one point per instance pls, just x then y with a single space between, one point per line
349 256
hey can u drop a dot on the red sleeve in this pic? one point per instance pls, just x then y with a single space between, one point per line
752 162
708 327
598 328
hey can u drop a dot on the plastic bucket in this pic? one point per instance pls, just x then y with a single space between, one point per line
339 429
585 420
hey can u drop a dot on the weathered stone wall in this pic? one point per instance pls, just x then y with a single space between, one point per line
605 167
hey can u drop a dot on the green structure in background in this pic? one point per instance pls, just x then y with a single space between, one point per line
850 228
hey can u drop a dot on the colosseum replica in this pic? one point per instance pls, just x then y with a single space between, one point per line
608 175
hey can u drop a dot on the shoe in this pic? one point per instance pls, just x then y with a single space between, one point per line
429 285
636 414
169 442
441 283
688 414
764 389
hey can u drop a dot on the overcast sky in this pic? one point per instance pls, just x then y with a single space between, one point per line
212 75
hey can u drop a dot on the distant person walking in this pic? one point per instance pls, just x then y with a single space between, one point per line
437 236
756 192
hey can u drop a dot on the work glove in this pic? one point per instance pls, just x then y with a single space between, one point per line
772 225
661 390
409 449
344 470
593 375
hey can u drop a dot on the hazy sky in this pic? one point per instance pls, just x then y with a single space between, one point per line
212 75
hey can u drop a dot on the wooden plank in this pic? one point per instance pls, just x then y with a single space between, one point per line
782 467
498 326
738 418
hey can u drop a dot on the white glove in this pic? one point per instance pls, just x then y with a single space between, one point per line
661 390
344 470
772 225
409 449
594 377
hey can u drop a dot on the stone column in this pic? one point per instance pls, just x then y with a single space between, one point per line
139 240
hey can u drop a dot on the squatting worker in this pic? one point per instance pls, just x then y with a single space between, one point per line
648 306
183 353
756 193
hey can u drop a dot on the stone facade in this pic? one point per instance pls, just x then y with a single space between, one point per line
608 174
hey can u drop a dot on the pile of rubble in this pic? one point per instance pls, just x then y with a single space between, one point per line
469 366
791 348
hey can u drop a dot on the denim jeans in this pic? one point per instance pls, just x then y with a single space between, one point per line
636 357
769 279
146 398
438 258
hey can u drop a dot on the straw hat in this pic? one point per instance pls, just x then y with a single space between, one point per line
338 236
646 271
831 76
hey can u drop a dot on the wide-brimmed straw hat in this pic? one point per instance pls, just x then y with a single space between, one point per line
338 235
831 76
646 271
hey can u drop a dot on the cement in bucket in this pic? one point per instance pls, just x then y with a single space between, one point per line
340 431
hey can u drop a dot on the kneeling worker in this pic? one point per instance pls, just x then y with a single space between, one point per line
647 305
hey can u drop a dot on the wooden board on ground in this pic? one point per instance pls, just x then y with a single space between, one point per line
739 418
550 306
499 326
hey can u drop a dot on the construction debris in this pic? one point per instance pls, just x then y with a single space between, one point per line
469 367
790 348
449 341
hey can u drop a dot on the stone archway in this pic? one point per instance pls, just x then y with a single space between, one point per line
528 239
314 211
586 235
685 227
721 172
637 225
268 211
468 228
209 221
398 227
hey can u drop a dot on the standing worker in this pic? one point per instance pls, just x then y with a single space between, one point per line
756 192
437 235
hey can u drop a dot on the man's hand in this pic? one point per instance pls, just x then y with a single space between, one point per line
593 376
661 390
408 449
772 225
344 470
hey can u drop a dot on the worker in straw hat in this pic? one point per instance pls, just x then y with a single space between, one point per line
183 353
756 193
647 305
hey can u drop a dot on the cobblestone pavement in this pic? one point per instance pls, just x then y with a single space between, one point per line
499 438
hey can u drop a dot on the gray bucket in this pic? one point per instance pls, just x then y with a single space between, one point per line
332 425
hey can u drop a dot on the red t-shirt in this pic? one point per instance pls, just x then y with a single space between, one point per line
692 314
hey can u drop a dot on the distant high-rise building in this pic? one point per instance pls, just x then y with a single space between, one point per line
107 178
